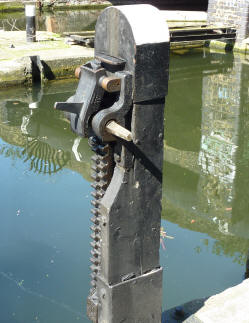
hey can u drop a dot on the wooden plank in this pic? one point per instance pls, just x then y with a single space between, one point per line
204 27
201 37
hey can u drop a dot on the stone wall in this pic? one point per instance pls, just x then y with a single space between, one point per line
230 13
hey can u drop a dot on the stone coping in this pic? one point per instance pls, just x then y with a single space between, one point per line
227 307
58 59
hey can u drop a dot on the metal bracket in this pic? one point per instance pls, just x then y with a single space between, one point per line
117 111
87 99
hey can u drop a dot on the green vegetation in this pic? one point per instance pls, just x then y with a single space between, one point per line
227 245
18 6
11 7
75 7
11 15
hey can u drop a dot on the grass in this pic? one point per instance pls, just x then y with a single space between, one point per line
11 7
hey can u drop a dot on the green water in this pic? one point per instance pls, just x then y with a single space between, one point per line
45 193
56 21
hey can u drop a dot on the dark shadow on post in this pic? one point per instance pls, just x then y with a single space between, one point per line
36 69
143 159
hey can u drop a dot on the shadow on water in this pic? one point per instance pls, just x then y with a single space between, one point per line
205 192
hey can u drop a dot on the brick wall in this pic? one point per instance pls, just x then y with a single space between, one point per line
230 13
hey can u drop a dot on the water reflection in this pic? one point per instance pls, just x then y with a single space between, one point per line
47 142
44 209
211 147
211 191
44 232
54 21
223 152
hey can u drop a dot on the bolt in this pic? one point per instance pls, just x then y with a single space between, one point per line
117 158
93 141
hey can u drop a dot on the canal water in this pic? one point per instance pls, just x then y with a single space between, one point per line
56 21
45 192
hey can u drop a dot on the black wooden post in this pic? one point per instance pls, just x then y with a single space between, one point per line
130 278
125 85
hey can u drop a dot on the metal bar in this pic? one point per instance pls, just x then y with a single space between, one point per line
201 30
201 37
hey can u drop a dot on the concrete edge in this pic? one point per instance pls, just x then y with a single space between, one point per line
227 306
241 47
62 67
16 72
23 71
180 314
221 45
193 319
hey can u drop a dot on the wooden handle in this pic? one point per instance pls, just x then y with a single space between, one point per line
115 129
111 84
77 72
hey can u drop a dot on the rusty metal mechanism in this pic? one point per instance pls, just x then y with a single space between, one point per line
119 106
